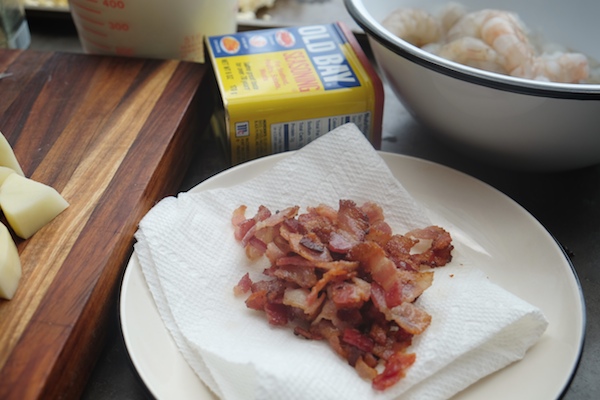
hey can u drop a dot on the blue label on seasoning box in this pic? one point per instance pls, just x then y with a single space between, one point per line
325 45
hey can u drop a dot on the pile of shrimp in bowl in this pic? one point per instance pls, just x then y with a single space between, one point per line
509 82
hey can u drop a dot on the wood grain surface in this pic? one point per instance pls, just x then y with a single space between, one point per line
113 136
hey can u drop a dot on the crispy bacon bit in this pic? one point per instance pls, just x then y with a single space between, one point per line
358 340
257 300
277 314
241 224
264 221
410 318
440 251
350 294
312 242
300 245
302 275
341 264
305 333
395 369
364 370
340 242
255 248
373 211
298 298
352 220
319 220
243 285
380 233
398 250
333 275
342 276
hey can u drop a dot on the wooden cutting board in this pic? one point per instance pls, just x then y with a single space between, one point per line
113 136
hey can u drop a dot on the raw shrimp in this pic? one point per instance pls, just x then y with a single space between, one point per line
557 67
413 25
450 14
501 30
473 52
493 40
504 32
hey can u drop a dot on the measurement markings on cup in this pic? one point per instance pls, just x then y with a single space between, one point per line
151 28
94 26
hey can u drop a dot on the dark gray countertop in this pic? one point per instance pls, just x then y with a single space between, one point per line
566 203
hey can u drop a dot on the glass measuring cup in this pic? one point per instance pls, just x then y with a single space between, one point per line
167 29
14 30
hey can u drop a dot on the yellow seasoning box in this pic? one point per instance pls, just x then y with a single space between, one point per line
282 88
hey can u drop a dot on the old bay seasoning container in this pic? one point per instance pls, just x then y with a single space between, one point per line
282 88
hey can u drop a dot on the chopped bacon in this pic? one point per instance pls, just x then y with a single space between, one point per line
299 298
306 333
380 233
302 275
257 300
273 289
240 223
360 341
364 370
285 260
352 220
274 252
319 220
398 250
239 216
271 220
350 294
333 275
341 264
309 247
440 251
378 333
243 285
373 211
277 314
329 332
373 259
409 285
410 318
340 242
342 276
325 211
395 369
255 248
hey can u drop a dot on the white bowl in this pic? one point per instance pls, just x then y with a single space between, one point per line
513 122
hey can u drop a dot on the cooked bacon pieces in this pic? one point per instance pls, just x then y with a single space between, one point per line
341 275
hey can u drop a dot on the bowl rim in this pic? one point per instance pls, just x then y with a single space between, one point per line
375 31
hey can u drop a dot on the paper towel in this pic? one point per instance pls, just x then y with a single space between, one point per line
191 263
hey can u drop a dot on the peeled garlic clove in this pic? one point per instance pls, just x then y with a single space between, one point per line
28 205
10 265
7 156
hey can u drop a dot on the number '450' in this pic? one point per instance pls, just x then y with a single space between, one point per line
118 26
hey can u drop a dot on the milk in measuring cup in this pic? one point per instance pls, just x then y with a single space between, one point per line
166 29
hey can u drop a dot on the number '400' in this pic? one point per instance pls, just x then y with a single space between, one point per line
113 3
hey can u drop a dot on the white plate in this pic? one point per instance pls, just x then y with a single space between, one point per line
515 250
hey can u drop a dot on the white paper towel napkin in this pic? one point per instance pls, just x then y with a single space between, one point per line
192 262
